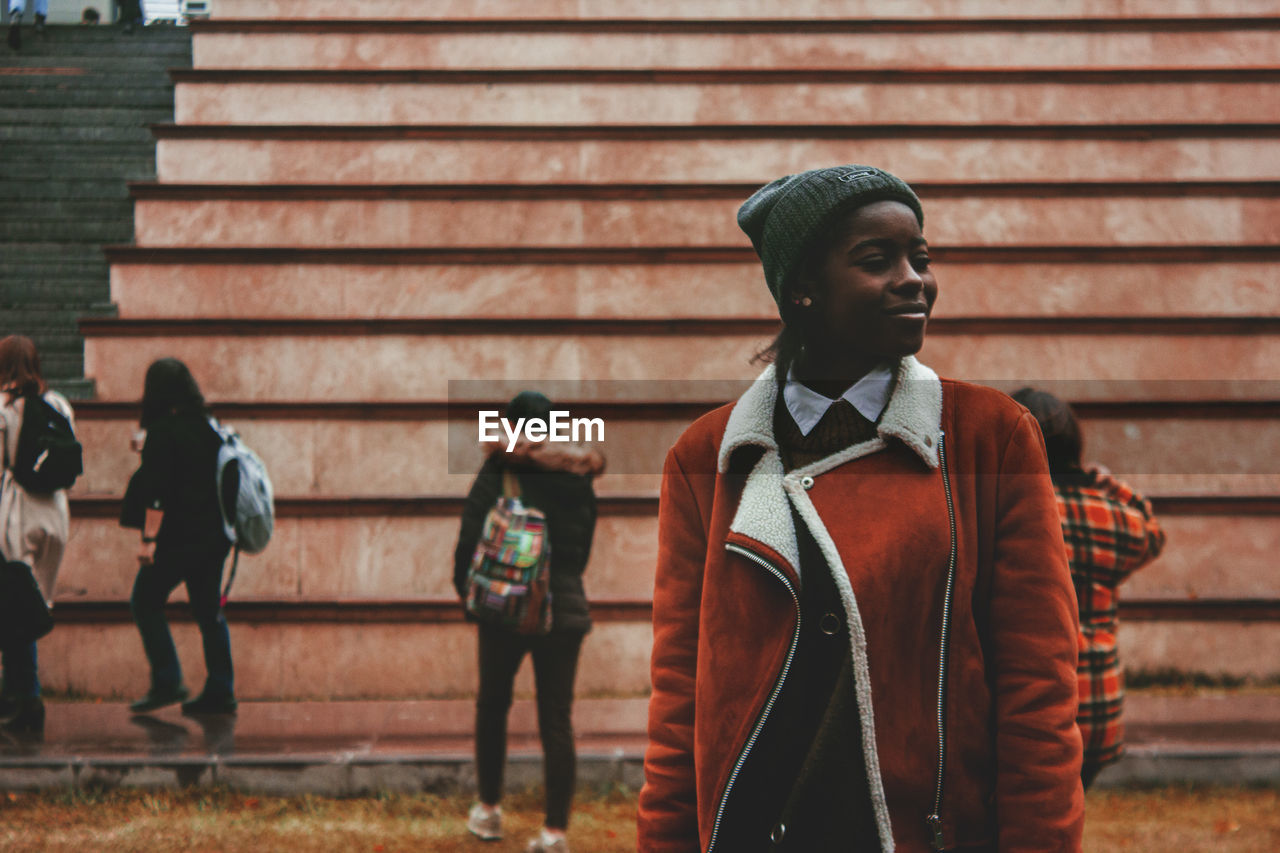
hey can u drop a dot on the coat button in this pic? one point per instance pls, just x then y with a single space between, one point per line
807 482
779 832
829 623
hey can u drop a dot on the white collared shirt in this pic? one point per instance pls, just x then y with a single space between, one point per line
869 395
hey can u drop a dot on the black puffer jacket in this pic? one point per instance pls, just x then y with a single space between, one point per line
569 502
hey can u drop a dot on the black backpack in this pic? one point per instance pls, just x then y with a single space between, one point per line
48 457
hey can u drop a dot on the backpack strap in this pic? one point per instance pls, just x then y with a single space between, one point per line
231 576
510 484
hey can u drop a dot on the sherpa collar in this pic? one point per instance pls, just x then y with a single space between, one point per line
913 416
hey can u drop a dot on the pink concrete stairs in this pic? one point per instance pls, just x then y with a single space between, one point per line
353 213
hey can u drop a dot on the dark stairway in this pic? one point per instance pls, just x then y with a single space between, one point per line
76 103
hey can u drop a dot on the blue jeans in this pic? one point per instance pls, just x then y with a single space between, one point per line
200 568
21 676
17 7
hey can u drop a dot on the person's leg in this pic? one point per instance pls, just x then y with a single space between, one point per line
14 37
500 653
151 592
24 710
555 666
19 663
202 571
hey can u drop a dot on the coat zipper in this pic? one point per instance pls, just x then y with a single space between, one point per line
777 687
934 819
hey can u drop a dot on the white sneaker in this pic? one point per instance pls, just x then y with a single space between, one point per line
484 823
545 843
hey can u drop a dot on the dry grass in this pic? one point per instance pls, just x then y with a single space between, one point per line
1188 820
217 821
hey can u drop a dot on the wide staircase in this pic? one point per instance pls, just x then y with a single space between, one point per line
76 105
370 218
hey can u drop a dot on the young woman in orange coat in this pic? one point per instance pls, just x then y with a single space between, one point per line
864 626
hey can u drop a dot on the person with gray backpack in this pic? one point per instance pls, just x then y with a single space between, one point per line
197 493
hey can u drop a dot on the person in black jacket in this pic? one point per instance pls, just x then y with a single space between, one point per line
556 479
173 498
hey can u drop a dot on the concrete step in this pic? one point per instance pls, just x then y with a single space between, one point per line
660 283
50 318
244 360
398 652
646 10
338 660
381 556
144 92
66 143
101 60
91 222
73 79
51 255
341 547
1068 214
398 155
366 748
108 39
38 289
99 124
73 389
359 449
39 185
721 97
55 333
72 172
344 45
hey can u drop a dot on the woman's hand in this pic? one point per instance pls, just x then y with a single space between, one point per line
146 553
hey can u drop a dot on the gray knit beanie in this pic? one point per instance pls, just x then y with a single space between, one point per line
783 218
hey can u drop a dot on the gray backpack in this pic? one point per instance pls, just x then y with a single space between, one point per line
249 522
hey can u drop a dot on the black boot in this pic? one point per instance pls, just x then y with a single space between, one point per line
158 697
207 703
39 23
30 717
15 31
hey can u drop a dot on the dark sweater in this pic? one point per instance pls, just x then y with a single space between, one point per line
807 770
569 502
178 475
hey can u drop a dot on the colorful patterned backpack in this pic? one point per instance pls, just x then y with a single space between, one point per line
509 582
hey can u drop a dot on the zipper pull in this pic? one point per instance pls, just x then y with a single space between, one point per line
935 826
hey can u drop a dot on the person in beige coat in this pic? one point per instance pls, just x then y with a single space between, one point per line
33 527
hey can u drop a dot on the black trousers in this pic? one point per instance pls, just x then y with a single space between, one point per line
555 665
200 568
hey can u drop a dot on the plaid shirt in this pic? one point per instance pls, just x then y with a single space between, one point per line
1110 533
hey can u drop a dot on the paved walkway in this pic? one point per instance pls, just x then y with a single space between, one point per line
342 748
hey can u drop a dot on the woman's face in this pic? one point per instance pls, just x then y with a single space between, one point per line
874 290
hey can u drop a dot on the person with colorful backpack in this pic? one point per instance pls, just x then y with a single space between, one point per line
176 500
41 460
527 528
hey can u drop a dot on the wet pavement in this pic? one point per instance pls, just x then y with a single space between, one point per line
343 748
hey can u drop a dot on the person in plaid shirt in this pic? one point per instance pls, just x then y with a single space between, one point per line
1110 532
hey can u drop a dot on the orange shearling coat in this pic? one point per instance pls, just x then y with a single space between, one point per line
725 614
